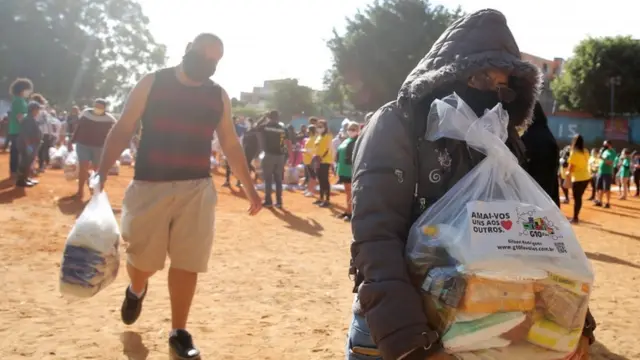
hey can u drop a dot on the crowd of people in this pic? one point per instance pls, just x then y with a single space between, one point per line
32 128
304 158
601 168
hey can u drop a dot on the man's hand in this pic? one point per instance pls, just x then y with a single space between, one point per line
254 200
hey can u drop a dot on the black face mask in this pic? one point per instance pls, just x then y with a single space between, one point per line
196 67
480 100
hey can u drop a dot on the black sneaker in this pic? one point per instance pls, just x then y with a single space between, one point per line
278 205
597 203
318 202
267 205
181 346
132 306
606 206
324 204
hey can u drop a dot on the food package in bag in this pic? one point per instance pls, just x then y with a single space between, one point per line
497 262
90 260
71 168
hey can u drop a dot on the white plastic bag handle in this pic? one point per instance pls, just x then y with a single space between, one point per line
452 118
94 183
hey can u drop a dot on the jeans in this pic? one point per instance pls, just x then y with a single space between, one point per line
27 155
272 171
360 345
14 153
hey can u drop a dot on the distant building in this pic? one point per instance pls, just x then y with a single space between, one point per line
550 70
259 97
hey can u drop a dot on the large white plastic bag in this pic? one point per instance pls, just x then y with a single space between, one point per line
71 168
91 259
126 158
58 157
496 243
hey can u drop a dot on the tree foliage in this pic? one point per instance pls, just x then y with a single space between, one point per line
382 44
290 98
585 82
76 50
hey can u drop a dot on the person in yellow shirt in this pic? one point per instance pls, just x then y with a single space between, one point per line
594 163
323 159
578 170
308 152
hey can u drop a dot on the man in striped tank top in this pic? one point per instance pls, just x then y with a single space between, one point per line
169 206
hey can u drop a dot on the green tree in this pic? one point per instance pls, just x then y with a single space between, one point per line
291 98
333 97
382 44
585 83
77 50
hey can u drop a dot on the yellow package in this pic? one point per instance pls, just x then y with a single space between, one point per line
490 296
549 335
564 301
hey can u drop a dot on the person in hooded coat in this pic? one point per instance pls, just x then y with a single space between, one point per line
478 58
543 153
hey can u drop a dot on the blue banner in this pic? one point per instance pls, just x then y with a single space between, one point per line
634 126
564 128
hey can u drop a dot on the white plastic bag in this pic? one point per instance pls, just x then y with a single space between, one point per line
292 176
91 259
115 169
58 157
71 168
126 158
496 243
3 141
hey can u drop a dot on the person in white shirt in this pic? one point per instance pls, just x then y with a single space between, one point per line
47 133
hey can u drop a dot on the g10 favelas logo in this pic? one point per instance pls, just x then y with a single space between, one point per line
536 226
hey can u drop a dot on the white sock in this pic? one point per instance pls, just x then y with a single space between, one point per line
138 295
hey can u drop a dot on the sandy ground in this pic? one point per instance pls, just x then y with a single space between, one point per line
277 289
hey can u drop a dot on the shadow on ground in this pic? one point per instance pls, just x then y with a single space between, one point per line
600 352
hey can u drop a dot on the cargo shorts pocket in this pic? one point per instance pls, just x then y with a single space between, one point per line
360 345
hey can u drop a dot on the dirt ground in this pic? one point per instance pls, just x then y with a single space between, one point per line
277 287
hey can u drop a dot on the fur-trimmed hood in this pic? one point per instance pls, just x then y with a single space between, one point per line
479 41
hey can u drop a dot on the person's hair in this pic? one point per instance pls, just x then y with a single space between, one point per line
313 119
353 124
33 106
208 37
577 143
38 98
19 85
323 123
102 102
274 115
311 129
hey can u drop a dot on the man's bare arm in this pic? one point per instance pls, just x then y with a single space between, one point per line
120 135
231 145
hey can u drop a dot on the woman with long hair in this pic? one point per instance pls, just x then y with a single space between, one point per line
324 161
578 173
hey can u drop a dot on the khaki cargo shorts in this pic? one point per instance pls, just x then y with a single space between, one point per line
169 218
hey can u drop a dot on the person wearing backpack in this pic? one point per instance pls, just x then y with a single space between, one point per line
397 175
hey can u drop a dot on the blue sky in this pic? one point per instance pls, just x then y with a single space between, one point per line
271 39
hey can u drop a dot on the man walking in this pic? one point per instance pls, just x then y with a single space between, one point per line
605 174
89 136
169 206
275 143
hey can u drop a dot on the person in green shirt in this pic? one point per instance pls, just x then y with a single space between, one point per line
345 161
624 174
20 90
605 174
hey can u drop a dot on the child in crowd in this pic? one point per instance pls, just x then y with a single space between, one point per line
29 140
624 174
